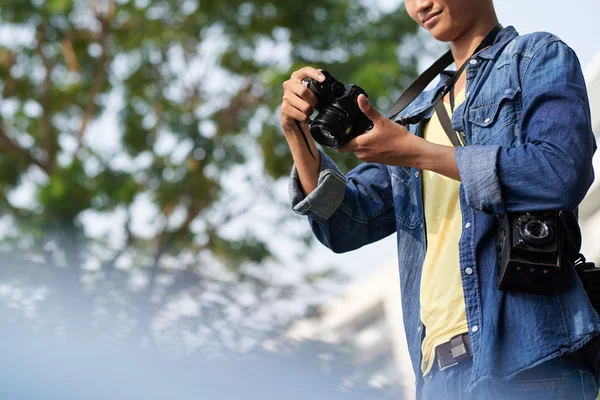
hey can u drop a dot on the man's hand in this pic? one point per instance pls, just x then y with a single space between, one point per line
387 143
392 144
298 101
297 105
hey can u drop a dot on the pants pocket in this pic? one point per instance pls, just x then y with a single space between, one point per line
589 385
540 389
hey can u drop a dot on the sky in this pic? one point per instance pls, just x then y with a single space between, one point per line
576 22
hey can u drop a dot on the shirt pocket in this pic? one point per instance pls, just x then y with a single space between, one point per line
497 122
405 196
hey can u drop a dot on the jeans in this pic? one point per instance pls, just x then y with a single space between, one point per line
562 378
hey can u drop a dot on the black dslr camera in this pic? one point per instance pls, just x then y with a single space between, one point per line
339 119
528 251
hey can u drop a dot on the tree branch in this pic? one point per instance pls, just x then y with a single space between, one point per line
158 107
99 81
164 243
46 139
241 102
69 55
9 144
127 245
7 60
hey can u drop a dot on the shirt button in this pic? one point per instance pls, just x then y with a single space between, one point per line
469 271
467 95
473 62
487 120
419 328
417 174
474 329
422 226
467 225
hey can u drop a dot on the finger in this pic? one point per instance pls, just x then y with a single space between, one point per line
367 108
308 72
298 103
296 89
290 112
305 94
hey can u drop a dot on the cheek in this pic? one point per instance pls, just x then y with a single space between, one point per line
411 9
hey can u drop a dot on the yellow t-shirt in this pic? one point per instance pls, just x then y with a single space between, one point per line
442 298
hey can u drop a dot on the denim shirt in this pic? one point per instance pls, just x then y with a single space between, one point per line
526 119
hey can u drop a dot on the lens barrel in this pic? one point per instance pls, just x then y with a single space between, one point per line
330 127
536 232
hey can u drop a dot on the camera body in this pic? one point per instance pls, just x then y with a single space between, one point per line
339 119
528 251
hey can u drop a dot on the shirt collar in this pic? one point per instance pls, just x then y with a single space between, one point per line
504 37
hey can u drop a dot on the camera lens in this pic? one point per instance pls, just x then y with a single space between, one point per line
327 134
330 127
536 231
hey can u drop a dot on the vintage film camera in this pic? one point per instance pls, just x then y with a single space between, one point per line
339 119
528 251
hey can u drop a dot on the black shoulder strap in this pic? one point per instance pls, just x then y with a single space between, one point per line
446 123
419 85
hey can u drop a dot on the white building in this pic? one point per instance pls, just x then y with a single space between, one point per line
589 211
368 317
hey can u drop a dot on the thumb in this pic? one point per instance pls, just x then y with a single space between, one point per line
367 108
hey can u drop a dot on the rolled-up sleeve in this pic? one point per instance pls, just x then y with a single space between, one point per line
322 202
347 212
478 170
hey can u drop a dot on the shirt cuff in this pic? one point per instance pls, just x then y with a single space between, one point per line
478 170
322 202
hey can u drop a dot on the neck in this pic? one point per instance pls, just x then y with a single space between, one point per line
464 45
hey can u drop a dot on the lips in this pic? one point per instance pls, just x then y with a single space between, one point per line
430 16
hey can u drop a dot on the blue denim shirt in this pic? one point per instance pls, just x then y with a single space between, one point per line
530 145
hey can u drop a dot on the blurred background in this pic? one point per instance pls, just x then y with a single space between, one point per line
147 245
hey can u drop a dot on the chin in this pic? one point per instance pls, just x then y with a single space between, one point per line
443 34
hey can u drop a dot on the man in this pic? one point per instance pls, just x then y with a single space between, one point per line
523 108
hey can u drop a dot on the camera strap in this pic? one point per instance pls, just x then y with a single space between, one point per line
419 85
305 139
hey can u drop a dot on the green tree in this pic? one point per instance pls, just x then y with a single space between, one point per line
140 144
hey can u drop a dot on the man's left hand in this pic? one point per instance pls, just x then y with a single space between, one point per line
387 143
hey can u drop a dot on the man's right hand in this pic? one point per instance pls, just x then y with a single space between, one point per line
297 105
298 101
